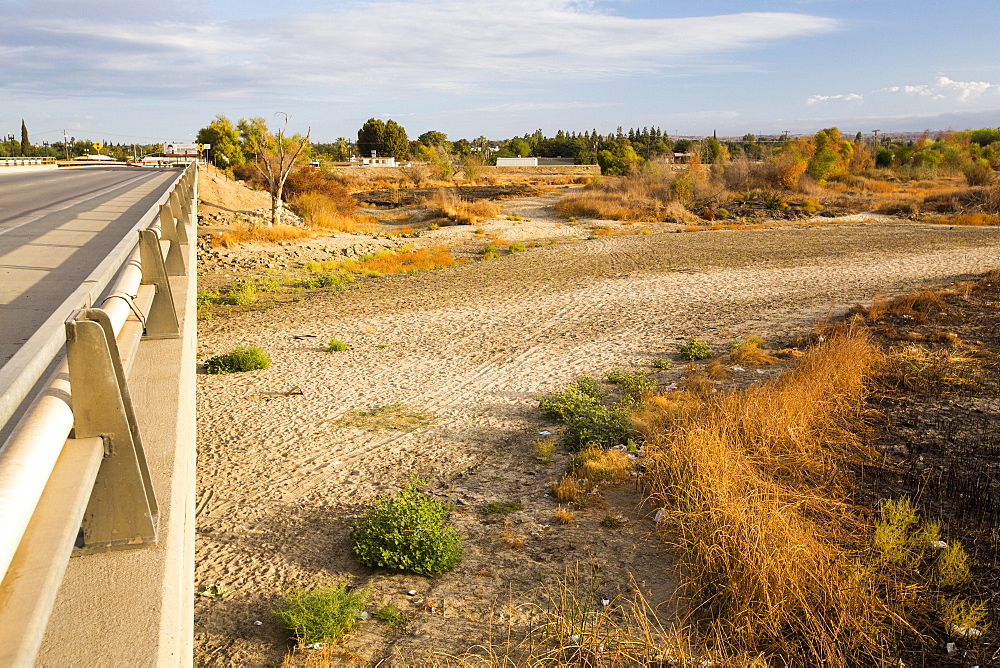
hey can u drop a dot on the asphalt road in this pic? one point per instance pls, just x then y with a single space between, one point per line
55 228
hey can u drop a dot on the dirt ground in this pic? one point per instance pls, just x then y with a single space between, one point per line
471 347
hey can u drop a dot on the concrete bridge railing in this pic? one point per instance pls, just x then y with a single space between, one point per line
98 463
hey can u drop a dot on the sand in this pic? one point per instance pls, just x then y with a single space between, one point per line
471 347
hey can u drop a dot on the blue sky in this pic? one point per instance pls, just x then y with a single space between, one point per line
149 70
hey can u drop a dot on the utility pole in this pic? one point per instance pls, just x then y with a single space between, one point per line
66 144
875 132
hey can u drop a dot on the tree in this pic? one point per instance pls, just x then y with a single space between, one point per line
25 143
385 139
276 154
433 138
224 138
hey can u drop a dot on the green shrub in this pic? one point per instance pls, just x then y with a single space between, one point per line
321 615
406 532
979 173
661 363
637 385
243 358
517 247
335 345
694 349
587 421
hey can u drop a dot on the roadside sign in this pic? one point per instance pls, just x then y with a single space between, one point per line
185 149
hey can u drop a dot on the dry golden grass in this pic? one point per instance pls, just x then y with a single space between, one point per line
564 516
753 485
389 262
447 204
513 539
566 489
968 219
245 233
749 353
596 464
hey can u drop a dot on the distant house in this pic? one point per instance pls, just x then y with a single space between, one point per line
517 162
379 162
683 158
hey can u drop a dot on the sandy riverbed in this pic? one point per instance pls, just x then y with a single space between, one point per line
472 346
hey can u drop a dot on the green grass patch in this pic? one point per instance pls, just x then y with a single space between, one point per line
243 358
500 508
394 417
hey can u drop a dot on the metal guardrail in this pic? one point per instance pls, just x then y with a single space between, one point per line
17 162
73 473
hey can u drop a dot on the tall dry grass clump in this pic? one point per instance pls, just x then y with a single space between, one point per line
320 211
446 203
645 196
242 232
754 495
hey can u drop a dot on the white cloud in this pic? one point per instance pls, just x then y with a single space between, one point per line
945 89
850 97
163 49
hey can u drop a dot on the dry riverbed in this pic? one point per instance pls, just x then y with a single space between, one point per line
468 349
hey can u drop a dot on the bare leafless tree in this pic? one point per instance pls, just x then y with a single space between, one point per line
276 156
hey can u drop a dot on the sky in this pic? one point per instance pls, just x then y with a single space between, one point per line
143 71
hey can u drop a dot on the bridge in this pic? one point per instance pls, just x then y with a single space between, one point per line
97 415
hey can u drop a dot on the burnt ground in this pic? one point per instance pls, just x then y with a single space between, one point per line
938 425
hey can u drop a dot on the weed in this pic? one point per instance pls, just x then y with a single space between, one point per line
208 298
596 465
543 449
661 363
500 508
511 537
613 521
243 358
564 516
321 615
407 532
566 489
242 293
335 345
216 591
963 619
391 616
517 247
694 349
952 568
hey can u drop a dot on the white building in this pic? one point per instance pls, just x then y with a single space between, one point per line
517 162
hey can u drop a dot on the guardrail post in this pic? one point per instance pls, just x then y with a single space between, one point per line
181 215
161 323
175 257
122 512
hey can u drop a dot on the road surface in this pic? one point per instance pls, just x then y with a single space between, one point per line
55 227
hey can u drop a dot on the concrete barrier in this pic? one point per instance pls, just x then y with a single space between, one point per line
126 474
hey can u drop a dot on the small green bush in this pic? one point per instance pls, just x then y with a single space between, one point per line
244 292
637 384
661 363
392 616
952 566
321 615
517 247
335 345
208 298
243 358
694 349
587 420
500 508
407 532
